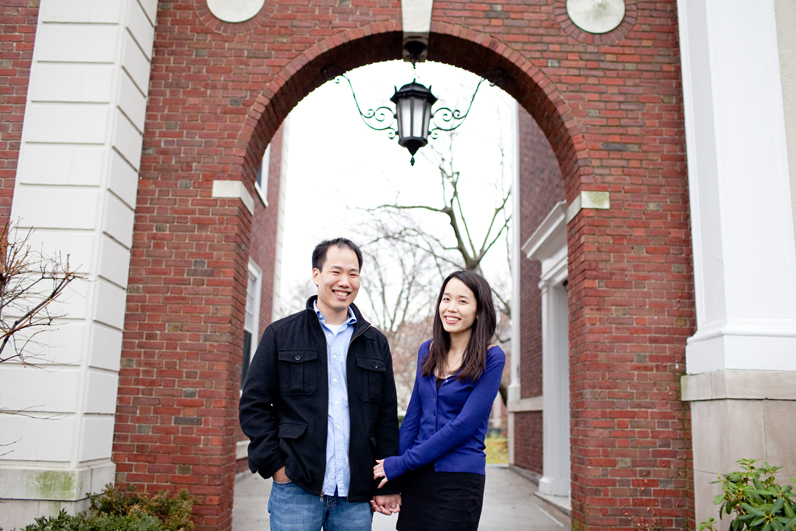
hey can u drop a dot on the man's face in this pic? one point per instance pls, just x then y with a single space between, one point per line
338 281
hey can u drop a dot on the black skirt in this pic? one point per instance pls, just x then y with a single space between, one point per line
441 501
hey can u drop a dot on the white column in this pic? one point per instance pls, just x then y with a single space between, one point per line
76 187
555 387
741 212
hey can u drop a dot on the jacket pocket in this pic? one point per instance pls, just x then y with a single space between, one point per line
371 377
291 430
297 371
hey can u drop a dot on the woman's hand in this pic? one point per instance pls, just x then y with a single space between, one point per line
378 472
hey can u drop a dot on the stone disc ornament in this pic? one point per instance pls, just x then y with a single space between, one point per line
234 11
596 16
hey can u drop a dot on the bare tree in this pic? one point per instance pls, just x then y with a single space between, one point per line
29 284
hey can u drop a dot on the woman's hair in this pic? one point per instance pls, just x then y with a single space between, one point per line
474 360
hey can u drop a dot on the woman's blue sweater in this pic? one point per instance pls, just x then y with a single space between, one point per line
448 427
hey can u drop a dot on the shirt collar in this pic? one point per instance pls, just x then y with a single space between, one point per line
352 318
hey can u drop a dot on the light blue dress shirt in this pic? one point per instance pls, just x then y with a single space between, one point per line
338 470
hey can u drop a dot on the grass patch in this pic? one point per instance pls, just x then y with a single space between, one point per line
497 450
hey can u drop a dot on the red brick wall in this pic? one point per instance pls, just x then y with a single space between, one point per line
18 29
611 109
528 450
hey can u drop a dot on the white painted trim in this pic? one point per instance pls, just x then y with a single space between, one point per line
522 405
242 450
255 270
592 200
234 190
416 16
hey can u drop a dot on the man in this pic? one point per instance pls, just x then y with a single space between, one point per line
319 405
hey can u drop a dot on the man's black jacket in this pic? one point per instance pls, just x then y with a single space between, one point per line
284 404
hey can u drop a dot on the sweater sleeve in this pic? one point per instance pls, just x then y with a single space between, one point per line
456 432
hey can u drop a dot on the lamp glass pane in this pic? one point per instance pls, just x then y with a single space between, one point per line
405 111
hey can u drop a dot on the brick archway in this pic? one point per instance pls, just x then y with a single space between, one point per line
612 113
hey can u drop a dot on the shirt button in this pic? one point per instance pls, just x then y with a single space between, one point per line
336 401
338 426
335 380
334 357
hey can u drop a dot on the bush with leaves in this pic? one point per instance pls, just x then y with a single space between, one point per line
758 501
115 510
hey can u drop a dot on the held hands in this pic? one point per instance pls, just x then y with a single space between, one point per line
387 504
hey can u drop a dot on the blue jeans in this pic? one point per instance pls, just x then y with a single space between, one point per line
294 509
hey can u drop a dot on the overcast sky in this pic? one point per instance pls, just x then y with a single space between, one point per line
338 166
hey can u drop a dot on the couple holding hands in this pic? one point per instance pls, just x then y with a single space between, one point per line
320 408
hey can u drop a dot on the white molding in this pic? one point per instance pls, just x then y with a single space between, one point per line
234 190
514 392
548 244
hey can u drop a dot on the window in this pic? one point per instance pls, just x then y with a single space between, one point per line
251 318
262 176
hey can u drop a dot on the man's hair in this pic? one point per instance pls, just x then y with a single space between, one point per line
319 253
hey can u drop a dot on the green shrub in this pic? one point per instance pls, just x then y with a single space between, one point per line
114 510
758 501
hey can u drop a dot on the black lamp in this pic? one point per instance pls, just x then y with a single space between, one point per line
413 114
413 104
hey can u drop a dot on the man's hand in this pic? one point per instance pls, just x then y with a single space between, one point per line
386 504
280 476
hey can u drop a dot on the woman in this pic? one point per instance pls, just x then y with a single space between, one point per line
442 462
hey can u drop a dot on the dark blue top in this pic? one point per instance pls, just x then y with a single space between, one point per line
448 427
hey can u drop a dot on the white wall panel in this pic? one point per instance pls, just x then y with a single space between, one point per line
37 439
118 220
142 30
133 104
123 179
72 82
150 8
78 245
61 164
101 392
49 389
55 207
114 261
95 11
135 63
110 303
66 123
86 43
105 346
127 139
60 344
96 438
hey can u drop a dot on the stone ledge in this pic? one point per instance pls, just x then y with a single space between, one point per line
53 483
735 384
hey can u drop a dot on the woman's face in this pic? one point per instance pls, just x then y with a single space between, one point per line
458 307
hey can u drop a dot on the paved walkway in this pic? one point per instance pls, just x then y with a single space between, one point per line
509 504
